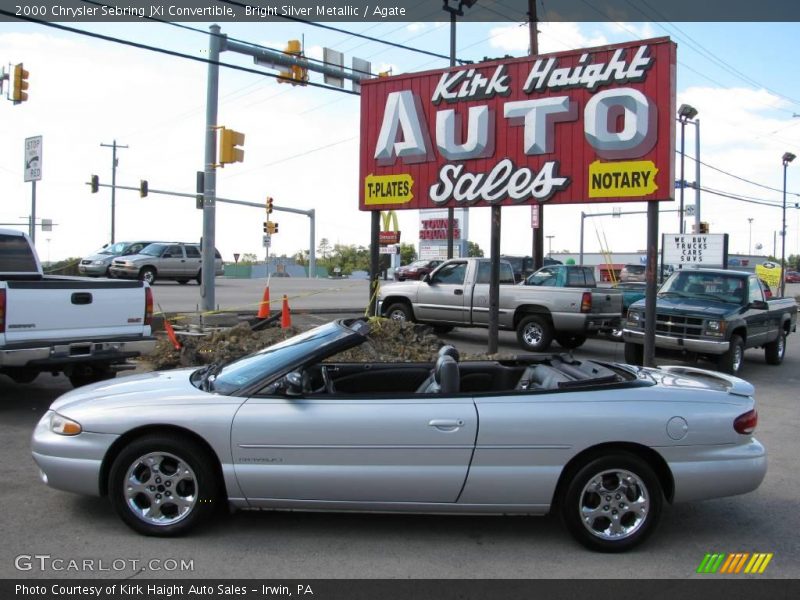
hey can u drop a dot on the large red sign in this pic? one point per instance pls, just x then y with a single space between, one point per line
590 125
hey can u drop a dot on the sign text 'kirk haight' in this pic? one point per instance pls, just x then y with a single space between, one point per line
592 125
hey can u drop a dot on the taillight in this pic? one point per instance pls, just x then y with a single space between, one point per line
746 423
148 306
586 302
2 311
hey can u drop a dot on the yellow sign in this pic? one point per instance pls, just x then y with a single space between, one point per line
771 273
388 189
622 179
389 218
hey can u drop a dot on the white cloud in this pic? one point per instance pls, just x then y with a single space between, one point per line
414 27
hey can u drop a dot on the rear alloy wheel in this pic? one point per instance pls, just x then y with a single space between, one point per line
731 361
163 486
775 350
613 503
148 275
399 312
570 342
634 354
535 333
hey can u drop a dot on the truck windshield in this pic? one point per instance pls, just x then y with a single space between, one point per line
717 286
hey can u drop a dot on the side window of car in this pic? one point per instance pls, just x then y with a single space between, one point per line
756 294
453 273
543 277
173 251
192 252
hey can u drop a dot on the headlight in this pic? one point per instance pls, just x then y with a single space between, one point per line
98 262
715 327
634 318
64 426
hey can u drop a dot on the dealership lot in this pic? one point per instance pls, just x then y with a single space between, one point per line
39 521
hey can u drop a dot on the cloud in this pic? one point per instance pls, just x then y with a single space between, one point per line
553 37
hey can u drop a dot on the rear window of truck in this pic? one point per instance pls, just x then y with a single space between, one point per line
16 255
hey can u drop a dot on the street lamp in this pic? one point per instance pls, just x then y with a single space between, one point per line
687 113
550 244
455 8
750 237
787 158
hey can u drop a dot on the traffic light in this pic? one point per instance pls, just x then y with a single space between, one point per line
295 74
142 188
95 184
228 150
19 85
269 205
200 190
270 227
266 226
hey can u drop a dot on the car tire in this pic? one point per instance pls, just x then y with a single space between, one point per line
775 350
634 354
731 361
442 329
148 275
183 281
22 374
535 333
399 311
570 342
199 277
612 503
86 375
172 473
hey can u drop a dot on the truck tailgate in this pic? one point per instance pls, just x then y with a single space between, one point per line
606 301
65 308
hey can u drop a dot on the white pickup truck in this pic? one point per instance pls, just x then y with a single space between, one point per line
84 328
456 294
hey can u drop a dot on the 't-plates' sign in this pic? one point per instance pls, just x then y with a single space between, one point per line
33 158
591 125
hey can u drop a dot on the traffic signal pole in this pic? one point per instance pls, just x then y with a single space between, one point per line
114 163
210 183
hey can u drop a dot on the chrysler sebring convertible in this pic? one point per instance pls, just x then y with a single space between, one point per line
293 427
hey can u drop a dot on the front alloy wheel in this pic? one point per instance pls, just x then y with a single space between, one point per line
613 503
162 486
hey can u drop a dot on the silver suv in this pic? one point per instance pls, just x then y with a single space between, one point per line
98 264
164 260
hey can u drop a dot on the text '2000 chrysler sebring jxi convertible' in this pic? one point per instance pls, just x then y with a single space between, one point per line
292 427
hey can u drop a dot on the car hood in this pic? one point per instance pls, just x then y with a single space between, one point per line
158 387
681 306
105 257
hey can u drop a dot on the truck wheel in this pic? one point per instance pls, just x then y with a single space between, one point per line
148 275
774 351
163 485
634 354
570 342
399 311
442 329
22 375
731 361
84 375
535 333
613 503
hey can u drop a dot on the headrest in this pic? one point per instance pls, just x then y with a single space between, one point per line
449 351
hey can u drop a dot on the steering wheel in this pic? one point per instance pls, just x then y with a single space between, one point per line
326 379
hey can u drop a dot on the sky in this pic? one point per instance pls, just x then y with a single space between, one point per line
302 143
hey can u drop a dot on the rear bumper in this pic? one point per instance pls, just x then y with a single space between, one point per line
56 354
124 272
673 343
583 323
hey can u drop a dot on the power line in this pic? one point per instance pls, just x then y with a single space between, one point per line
338 30
745 180
174 53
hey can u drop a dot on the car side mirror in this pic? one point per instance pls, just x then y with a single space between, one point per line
426 278
759 305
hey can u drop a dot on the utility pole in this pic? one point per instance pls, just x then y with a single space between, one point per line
114 163
537 237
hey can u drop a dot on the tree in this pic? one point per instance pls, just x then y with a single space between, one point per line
324 248
407 254
474 250
248 258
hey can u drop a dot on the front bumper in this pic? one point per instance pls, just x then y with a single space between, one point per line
93 270
55 354
124 272
674 343
70 463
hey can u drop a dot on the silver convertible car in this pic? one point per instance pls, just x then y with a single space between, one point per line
290 427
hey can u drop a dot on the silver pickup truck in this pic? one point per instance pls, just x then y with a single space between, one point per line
456 294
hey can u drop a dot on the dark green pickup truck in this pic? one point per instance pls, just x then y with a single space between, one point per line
713 314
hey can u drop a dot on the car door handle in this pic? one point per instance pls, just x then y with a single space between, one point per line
458 292
446 424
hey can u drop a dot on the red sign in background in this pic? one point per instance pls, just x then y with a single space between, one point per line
570 149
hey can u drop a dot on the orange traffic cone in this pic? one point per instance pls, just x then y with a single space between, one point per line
286 315
263 308
171 334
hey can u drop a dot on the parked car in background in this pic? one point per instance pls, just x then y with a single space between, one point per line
415 270
523 265
57 324
289 427
632 273
713 314
164 260
792 277
98 264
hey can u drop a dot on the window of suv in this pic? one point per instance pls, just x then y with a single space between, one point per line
173 252
154 249
192 251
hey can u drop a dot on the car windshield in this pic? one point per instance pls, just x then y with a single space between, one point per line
278 357
419 263
153 249
713 286
115 249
